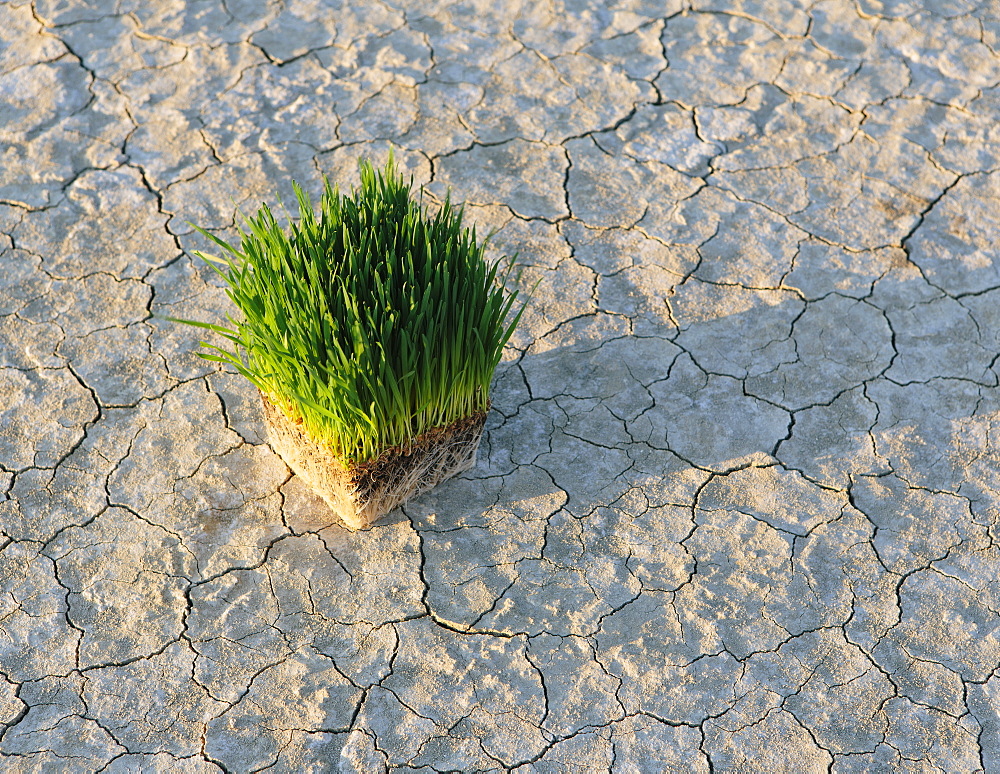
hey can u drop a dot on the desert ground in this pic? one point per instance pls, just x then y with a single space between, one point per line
737 506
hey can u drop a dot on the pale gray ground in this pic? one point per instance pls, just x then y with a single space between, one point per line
737 508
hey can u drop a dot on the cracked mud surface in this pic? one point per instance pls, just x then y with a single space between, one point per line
737 504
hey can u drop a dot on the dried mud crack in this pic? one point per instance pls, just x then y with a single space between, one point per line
736 504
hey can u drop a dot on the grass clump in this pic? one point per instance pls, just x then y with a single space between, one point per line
368 322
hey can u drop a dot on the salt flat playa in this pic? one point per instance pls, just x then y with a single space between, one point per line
737 505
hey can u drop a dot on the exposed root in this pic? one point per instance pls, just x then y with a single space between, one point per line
360 494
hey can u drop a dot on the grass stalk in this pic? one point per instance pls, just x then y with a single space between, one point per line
367 322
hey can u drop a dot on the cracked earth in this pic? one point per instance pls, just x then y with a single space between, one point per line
738 502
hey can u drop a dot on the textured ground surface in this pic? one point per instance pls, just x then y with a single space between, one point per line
737 507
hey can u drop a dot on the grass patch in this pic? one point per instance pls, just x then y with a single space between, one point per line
370 321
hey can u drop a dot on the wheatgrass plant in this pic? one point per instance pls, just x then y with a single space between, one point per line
369 322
